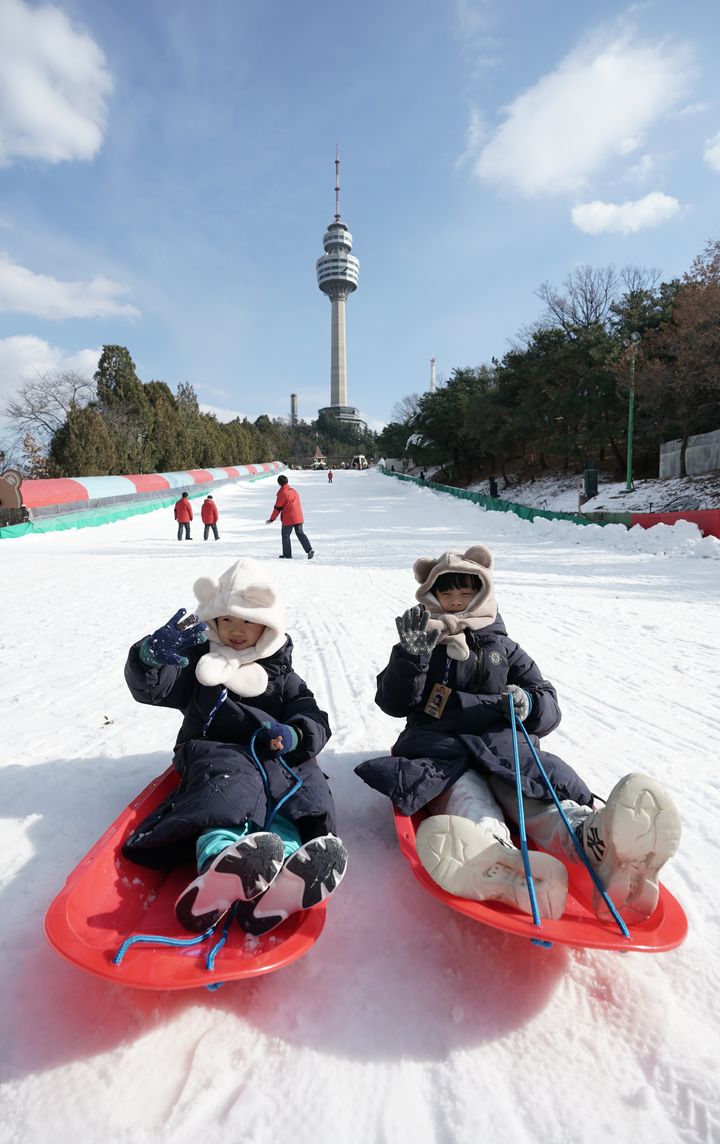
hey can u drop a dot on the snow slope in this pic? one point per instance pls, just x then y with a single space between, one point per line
560 493
406 1022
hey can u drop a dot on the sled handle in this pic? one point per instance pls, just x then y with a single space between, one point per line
523 833
576 842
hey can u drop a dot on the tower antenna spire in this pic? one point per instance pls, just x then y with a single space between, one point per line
337 277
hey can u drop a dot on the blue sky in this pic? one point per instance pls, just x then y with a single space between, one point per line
167 174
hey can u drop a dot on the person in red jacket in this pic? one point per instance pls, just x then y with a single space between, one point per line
330 476
289 509
209 514
183 515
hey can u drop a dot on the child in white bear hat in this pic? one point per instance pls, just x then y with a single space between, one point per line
252 807
450 676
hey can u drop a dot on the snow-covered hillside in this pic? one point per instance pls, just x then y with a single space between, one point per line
561 494
406 1022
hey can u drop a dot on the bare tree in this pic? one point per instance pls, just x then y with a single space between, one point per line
705 269
680 372
41 406
10 456
639 279
35 462
589 294
405 409
595 297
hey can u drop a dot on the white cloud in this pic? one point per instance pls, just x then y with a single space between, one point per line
24 356
373 423
53 86
474 18
224 415
594 108
625 218
475 21
24 292
476 134
711 154
642 172
692 109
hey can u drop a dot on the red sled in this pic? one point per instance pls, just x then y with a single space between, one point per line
108 899
665 929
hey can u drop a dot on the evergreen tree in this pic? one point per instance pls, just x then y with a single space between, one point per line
125 410
82 447
170 446
238 442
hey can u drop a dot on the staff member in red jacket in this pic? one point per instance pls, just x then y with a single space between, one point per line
209 514
183 515
288 507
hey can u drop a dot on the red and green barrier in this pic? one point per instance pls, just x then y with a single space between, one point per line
86 502
707 520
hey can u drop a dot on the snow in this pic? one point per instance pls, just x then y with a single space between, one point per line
406 1022
561 494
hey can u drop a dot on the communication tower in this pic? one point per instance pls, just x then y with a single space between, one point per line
337 276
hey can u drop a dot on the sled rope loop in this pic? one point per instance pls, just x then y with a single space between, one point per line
184 943
515 722
270 814
521 827
297 781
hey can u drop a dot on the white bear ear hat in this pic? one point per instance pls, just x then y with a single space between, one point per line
480 612
244 591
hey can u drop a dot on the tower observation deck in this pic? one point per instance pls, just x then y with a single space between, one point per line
337 276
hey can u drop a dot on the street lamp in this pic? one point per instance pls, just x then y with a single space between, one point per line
633 346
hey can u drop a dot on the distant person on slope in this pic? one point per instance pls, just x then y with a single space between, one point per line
288 507
253 808
330 476
183 515
450 676
209 514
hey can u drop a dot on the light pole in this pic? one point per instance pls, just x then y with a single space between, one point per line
633 344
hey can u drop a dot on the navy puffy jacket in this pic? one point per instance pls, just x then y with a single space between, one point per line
473 731
219 782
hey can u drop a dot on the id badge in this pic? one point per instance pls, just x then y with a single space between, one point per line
438 700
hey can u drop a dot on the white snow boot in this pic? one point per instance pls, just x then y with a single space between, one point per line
467 860
238 873
628 842
308 877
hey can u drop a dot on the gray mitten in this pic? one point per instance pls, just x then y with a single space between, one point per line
522 701
412 629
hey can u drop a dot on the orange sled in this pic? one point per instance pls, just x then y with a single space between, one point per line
664 929
107 899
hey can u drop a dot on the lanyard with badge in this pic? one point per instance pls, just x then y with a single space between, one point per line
437 700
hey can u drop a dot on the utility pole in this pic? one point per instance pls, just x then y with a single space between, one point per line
633 343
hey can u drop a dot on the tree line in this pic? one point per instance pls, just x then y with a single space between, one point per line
558 399
69 425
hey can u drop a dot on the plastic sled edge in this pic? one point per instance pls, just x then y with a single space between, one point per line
664 930
107 899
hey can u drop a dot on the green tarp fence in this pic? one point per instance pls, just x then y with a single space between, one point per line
494 504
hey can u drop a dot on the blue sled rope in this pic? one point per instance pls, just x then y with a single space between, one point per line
183 943
576 841
522 831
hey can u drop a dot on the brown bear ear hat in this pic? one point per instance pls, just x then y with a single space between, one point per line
476 561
